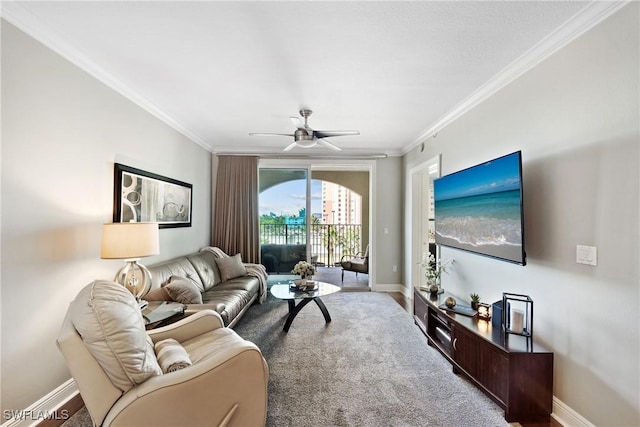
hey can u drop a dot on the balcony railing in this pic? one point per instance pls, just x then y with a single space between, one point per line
328 242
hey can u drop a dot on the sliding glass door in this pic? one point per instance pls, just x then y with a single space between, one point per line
318 212
284 205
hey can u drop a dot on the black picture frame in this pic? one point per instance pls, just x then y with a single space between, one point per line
141 196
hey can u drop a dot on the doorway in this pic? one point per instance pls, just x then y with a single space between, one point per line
421 234
314 213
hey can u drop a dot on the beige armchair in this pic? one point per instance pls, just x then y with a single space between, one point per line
358 263
226 384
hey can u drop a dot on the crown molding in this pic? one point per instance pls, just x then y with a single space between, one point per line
26 22
594 13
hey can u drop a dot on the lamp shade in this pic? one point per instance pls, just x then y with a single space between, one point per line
123 240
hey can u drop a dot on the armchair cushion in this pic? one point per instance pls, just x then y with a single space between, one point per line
109 320
216 344
357 263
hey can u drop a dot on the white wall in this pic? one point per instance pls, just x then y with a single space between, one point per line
387 225
62 131
575 118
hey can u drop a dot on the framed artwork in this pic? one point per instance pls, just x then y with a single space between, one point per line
141 196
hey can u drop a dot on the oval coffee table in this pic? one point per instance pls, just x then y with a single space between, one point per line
284 292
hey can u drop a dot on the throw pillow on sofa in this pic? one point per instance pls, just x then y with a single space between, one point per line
160 294
183 290
231 267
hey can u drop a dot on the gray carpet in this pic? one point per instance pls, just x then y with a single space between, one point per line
369 367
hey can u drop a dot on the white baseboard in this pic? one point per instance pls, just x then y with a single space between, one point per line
407 292
566 416
389 287
44 408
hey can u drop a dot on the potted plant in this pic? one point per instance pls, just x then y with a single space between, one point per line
433 271
475 300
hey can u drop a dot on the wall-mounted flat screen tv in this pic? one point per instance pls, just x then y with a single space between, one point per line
480 209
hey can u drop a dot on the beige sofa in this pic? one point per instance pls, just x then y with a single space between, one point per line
225 284
220 379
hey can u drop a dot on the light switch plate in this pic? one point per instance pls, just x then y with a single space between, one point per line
587 255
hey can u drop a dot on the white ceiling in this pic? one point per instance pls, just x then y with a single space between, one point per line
396 71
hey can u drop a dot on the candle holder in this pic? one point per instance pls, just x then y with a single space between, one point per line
484 311
517 314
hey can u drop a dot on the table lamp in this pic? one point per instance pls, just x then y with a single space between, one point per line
131 241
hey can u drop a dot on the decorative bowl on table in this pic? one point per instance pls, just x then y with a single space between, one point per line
304 285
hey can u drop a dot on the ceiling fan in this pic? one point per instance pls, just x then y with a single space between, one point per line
306 137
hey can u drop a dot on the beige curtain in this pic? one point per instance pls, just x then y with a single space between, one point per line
235 216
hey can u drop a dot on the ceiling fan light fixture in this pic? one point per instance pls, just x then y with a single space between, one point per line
304 139
306 143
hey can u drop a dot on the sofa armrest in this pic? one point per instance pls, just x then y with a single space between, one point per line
189 327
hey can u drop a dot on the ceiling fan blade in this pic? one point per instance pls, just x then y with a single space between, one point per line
299 124
271 134
329 145
289 147
330 133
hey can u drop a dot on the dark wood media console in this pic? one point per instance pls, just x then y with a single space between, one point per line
512 370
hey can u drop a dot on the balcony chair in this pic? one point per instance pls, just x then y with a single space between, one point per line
358 263
222 380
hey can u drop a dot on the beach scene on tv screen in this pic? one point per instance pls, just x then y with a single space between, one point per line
479 209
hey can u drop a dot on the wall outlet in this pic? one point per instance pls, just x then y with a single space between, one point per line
586 255
394 268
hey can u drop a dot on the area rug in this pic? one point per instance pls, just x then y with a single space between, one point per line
370 366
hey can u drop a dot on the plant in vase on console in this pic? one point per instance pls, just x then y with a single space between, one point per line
304 269
433 272
475 300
